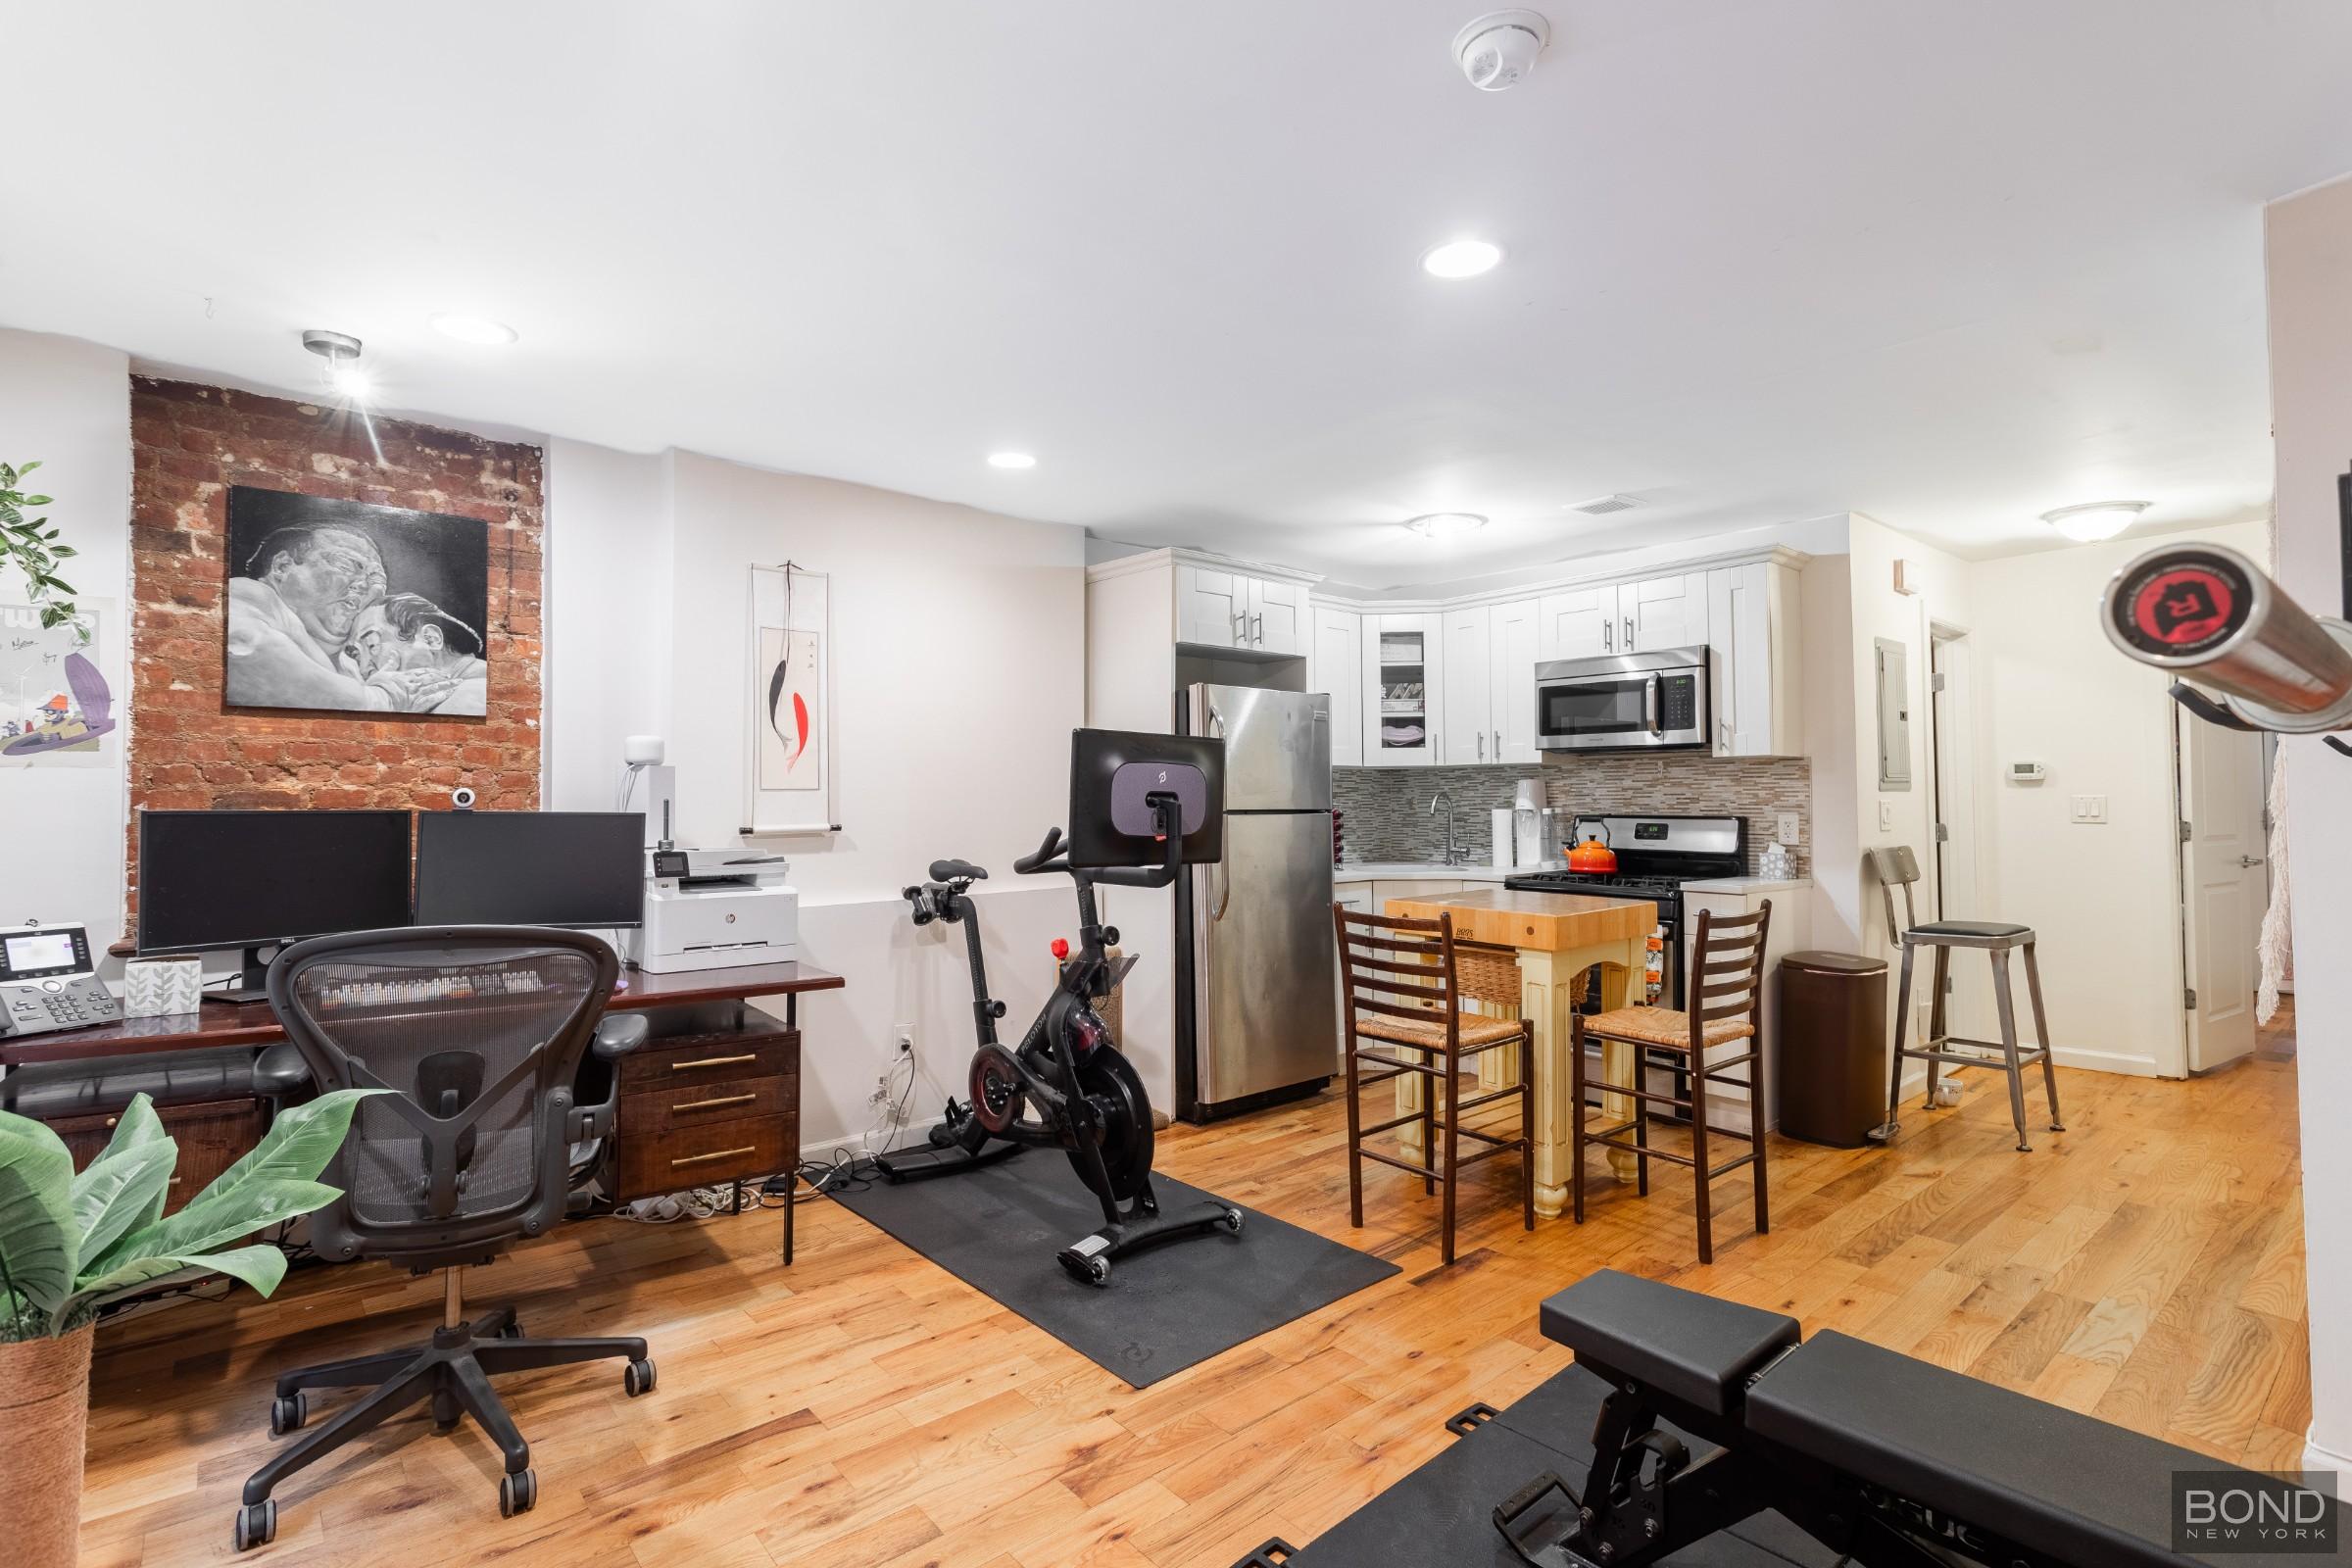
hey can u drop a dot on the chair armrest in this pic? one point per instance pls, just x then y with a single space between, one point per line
279 1071
619 1033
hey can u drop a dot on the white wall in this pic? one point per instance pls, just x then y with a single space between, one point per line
2310 260
67 403
2104 898
959 654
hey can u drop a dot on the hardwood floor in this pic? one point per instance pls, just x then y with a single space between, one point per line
863 1409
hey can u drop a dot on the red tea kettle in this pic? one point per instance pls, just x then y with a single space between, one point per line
1592 856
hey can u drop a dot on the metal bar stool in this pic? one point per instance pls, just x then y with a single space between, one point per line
1896 866
1725 991
1402 984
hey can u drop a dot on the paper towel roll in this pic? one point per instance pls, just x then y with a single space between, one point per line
1503 838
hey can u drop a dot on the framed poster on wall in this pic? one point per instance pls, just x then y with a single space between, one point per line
790 768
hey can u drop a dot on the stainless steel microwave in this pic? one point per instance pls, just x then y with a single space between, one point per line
1626 702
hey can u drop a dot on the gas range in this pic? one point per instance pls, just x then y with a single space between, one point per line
1655 857
1632 887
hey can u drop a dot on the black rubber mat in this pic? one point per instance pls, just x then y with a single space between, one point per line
1441 1515
1165 1308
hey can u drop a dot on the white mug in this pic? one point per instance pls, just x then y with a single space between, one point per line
156 988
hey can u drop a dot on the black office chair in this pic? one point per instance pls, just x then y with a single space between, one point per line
477 1031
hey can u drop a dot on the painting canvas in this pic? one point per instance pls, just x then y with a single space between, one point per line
792 710
342 606
55 707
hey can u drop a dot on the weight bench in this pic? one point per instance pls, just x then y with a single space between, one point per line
1883 1458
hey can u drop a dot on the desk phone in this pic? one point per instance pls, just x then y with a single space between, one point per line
47 981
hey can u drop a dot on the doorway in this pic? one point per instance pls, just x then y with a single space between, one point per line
1955 894
2225 885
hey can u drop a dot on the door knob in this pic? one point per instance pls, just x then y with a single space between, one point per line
2249 860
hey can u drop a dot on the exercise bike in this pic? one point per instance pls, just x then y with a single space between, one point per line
1066 1085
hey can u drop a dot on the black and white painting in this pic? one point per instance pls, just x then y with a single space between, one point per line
353 608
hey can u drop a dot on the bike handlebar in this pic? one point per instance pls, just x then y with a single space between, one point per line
1047 854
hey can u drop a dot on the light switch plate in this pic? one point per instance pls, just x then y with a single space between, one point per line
2087 809
1886 816
1784 831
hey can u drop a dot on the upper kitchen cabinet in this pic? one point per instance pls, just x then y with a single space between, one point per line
1490 683
1660 613
1751 622
1577 623
1222 606
1335 665
1403 665
1468 670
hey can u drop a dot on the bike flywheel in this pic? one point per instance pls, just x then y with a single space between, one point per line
1109 1080
995 1089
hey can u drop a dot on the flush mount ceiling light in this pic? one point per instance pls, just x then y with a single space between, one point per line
1011 460
1461 258
1447 525
341 351
473 329
2094 520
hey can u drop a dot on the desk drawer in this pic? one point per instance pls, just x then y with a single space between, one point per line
705 1155
697 1061
212 1135
691 1102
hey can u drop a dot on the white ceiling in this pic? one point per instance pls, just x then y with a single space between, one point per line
1949 264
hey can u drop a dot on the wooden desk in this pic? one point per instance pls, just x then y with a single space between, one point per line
1560 936
711 1098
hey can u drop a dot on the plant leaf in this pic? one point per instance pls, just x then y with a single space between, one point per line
301 1139
36 1212
216 1218
260 1266
138 1124
24 468
121 1192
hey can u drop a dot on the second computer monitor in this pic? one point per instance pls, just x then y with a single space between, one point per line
569 868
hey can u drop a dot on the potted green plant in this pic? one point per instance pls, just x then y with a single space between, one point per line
71 1244
31 546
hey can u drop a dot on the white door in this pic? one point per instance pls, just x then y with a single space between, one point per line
2223 886
1511 681
1468 736
1954 891
1278 616
1660 613
1335 665
1577 623
1212 606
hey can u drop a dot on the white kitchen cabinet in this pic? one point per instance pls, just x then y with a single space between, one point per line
1278 616
1577 623
1403 706
1512 649
1751 622
1655 614
1335 665
1212 606
1468 664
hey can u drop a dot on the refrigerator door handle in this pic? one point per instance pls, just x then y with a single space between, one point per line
1216 910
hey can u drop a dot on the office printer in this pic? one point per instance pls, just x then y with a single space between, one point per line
716 910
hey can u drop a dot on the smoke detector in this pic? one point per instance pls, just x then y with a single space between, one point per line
1499 48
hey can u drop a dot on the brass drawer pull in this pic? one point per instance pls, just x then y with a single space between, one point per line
724 1154
714 1104
711 1062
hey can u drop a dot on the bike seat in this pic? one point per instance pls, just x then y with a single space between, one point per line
957 872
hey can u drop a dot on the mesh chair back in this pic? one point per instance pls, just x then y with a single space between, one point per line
478 1034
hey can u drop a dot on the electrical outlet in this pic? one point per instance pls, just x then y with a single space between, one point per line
1785 830
2088 808
902 1035
1886 816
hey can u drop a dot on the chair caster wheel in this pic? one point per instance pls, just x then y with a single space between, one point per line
288 1412
512 1331
257 1524
637 1378
517 1490
1231 1221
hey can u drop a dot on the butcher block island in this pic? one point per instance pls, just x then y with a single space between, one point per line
1555 936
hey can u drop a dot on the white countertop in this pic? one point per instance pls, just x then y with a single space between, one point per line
1407 870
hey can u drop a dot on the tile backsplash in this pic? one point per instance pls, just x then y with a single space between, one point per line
1388 817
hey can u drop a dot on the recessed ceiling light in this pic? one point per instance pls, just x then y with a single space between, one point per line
1460 257
2094 520
1011 460
473 329
1447 525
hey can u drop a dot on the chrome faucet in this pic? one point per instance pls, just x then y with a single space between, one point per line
1453 855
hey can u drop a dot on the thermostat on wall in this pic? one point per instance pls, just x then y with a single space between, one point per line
2028 773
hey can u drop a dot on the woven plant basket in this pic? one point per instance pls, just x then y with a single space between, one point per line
44 1416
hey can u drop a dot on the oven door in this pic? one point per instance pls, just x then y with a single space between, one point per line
1620 711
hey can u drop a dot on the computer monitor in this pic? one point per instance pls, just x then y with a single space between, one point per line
1115 773
250 879
568 869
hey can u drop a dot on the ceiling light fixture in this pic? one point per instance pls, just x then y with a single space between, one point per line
1011 460
1447 525
341 351
1461 258
2094 520
473 329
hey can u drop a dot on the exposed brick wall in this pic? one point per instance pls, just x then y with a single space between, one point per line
189 444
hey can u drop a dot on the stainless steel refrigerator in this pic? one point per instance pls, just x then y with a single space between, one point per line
1260 1026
